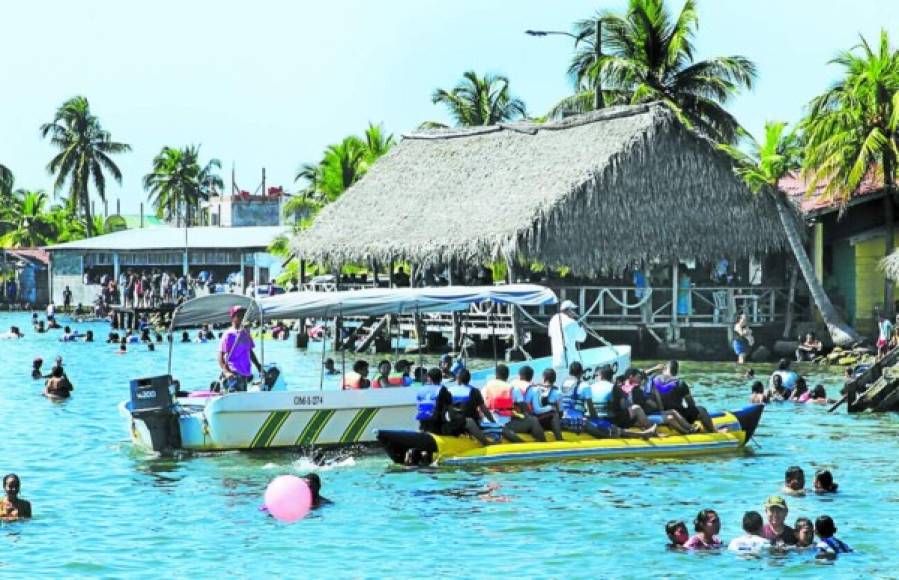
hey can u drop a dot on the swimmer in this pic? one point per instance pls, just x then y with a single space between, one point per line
89 336
315 486
794 481
805 533
36 372
818 396
776 531
40 327
707 525
828 544
758 394
123 347
185 336
12 507
824 482
329 367
58 386
151 347
752 542
677 534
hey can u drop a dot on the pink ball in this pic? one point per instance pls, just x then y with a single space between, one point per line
288 498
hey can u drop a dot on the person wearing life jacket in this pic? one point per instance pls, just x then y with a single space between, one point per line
455 419
522 420
357 378
498 398
385 378
542 402
586 406
675 397
657 390
498 392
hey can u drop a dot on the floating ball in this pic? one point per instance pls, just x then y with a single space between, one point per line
288 498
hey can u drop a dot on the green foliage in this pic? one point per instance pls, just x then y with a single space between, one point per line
342 165
766 163
85 150
648 55
851 130
177 183
6 180
476 101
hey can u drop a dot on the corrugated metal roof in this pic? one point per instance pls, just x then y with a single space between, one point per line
169 238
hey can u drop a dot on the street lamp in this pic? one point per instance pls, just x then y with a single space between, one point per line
597 53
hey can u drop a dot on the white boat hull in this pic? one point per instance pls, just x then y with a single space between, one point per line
290 419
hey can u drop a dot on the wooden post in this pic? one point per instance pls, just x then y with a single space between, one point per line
675 327
390 283
302 273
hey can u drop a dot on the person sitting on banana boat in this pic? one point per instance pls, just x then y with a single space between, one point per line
675 397
503 401
454 420
586 406
534 402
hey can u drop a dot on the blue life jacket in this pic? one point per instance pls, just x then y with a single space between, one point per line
427 399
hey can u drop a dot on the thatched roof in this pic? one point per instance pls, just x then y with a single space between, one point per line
890 266
599 190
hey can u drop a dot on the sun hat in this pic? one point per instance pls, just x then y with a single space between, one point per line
775 501
568 305
235 309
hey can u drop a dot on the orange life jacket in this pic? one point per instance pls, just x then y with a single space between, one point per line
498 397
352 380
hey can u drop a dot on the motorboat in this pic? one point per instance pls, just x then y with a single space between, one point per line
163 414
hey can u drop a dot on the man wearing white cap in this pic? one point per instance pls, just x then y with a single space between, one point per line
564 334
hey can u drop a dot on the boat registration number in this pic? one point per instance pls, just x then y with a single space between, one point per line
308 400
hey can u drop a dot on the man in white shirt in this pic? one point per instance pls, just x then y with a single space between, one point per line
564 334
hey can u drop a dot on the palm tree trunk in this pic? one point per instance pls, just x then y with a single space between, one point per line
841 333
86 202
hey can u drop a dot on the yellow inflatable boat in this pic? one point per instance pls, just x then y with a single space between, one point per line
735 430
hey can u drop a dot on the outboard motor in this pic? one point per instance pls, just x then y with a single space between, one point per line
151 403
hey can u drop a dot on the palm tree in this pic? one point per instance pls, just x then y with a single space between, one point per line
762 168
377 143
478 101
649 56
177 183
26 223
852 131
84 155
342 166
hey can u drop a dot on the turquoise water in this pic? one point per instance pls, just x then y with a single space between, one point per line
104 509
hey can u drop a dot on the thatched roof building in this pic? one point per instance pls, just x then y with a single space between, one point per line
595 191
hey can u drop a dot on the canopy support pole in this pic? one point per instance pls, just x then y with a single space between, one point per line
675 327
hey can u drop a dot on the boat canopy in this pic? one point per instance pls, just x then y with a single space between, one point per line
214 308
380 301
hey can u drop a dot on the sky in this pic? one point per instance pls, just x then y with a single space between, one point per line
272 83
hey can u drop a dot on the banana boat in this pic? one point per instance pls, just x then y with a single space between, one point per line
735 429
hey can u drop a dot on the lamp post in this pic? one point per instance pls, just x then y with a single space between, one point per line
597 53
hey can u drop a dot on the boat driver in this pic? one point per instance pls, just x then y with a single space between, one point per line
236 353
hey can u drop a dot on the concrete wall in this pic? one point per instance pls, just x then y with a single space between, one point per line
81 293
256 213
236 212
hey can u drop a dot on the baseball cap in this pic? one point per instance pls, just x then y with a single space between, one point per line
568 305
775 501
235 309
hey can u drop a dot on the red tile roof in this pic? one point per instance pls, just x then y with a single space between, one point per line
34 254
816 202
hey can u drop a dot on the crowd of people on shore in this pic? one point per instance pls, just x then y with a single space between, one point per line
776 535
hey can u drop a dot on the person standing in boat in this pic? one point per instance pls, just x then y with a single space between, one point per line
565 332
236 353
